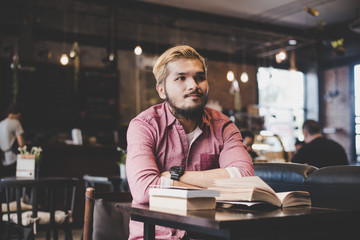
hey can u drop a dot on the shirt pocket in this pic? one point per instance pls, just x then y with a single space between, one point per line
209 161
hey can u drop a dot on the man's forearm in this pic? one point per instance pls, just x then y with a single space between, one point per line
201 179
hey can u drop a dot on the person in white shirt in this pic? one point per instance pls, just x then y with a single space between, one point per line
11 137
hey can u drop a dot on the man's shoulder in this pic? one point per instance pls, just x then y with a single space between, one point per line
327 142
155 112
215 115
10 122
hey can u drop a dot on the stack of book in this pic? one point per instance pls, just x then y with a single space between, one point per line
180 198
253 190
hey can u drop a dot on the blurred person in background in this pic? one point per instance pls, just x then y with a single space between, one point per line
11 138
319 151
249 138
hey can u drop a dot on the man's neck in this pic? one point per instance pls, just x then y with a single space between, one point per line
12 116
313 137
188 124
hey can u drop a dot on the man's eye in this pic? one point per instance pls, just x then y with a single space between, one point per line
181 78
200 78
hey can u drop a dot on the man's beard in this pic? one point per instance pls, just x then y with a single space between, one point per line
189 113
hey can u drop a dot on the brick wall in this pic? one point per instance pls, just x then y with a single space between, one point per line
220 86
336 111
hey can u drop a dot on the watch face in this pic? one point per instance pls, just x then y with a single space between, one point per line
176 172
177 169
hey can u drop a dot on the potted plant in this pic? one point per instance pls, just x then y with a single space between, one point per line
34 154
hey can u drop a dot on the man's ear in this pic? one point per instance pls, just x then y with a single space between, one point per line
161 90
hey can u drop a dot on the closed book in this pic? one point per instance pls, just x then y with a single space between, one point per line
179 203
254 189
183 192
182 198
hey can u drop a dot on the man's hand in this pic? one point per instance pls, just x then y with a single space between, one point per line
166 174
202 179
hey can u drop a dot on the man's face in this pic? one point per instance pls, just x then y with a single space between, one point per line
185 88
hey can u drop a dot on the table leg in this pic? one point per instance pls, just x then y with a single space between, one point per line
149 231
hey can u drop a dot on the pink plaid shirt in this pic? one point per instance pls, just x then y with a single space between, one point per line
157 141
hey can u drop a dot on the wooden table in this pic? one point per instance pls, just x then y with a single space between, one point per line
241 223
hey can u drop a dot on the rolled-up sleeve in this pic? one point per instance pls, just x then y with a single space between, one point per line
234 153
141 168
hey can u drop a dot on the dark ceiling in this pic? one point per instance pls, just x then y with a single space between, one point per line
265 27
288 13
255 28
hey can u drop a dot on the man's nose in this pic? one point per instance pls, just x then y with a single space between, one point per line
192 83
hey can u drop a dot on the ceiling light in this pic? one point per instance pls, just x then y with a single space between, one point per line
138 50
64 60
111 57
230 76
281 56
244 77
292 42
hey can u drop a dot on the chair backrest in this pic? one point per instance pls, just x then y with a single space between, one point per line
50 205
335 187
284 176
103 183
101 221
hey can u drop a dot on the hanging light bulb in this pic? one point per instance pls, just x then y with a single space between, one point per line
292 42
111 57
138 50
72 53
230 76
281 56
244 77
64 60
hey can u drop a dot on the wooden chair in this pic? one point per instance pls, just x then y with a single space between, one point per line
101 221
50 207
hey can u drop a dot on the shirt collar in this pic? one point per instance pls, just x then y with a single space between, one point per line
171 118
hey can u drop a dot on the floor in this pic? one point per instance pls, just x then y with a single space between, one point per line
41 236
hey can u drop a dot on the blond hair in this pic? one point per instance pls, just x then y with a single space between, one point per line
173 54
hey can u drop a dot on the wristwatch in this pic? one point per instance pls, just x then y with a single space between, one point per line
176 172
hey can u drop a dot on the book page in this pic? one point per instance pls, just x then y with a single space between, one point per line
294 198
183 192
282 195
244 182
177 187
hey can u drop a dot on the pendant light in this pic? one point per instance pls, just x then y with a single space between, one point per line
230 76
244 76
64 59
138 50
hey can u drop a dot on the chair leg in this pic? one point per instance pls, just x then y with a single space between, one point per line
56 235
28 234
67 232
48 234
7 232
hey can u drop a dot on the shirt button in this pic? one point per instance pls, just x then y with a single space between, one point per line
184 139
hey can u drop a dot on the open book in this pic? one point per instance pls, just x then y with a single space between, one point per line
254 189
181 198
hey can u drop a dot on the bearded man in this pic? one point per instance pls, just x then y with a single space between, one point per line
181 142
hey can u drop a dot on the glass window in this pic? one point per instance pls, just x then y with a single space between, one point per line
281 102
357 110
